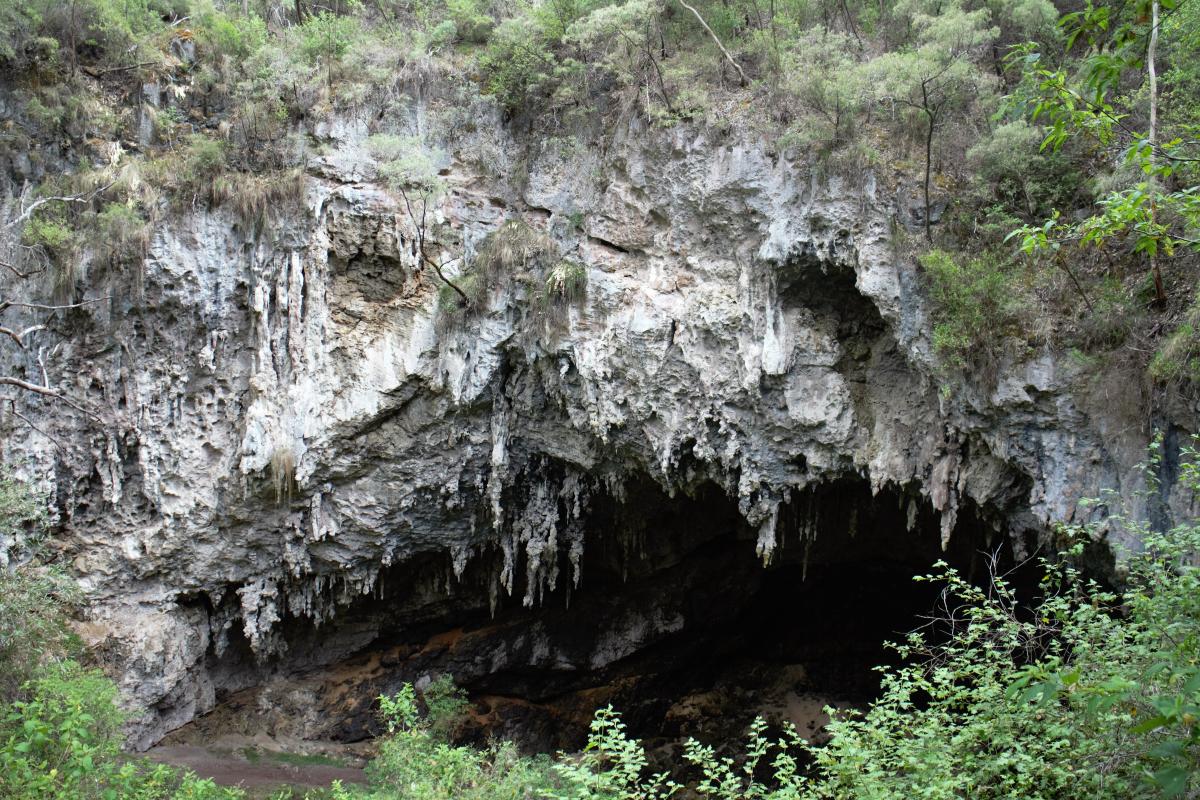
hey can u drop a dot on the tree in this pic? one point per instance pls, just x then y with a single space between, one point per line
937 75
411 171
821 70
1158 213
23 268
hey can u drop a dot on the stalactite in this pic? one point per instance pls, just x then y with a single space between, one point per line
765 546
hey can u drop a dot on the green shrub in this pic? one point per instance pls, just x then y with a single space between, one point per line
326 38
34 598
50 232
223 35
1178 358
41 35
63 743
976 302
203 160
34 603
471 21
445 706
60 728
519 65
408 167
414 763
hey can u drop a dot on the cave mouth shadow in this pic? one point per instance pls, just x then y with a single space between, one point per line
721 638
675 622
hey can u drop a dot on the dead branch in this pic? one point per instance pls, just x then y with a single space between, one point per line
83 198
22 275
46 391
736 66
96 73
12 404
40 307
425 259
19 337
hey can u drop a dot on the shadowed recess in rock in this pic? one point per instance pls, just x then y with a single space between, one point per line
676 622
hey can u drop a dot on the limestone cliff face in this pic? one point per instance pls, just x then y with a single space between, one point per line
281 416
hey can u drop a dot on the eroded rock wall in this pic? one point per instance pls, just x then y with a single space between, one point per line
278 415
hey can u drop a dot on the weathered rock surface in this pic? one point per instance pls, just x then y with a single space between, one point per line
280 417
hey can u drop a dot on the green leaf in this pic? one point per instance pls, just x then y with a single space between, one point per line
1171 781
1154 723
1170 749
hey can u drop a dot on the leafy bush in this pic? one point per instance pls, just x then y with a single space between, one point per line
415 763
34 601
445 706
1178 359
224 35
975 301
60 728
63 743
43 35
326 38
471 21
407 166
202 160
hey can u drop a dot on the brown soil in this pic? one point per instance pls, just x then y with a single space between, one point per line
233 769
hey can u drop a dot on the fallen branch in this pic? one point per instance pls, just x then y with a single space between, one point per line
40 307
5 380
19 338
83 198
736 66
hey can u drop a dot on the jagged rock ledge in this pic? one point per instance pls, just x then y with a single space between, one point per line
286 423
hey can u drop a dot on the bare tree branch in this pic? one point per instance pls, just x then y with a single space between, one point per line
6 380
425 259
40 307
19 337
728 57
22 275
83 198
12 404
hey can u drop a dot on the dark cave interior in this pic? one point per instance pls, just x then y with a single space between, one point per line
676 623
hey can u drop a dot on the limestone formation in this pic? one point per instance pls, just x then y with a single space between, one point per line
282 423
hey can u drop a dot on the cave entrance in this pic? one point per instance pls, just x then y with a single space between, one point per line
679 626
676 623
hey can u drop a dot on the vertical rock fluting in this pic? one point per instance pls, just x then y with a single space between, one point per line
281 418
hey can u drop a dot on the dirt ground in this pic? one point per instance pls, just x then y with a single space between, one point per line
254 769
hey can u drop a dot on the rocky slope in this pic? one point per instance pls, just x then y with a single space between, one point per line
285 434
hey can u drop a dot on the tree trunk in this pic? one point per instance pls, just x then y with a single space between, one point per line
729 58
930 115
1160 294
